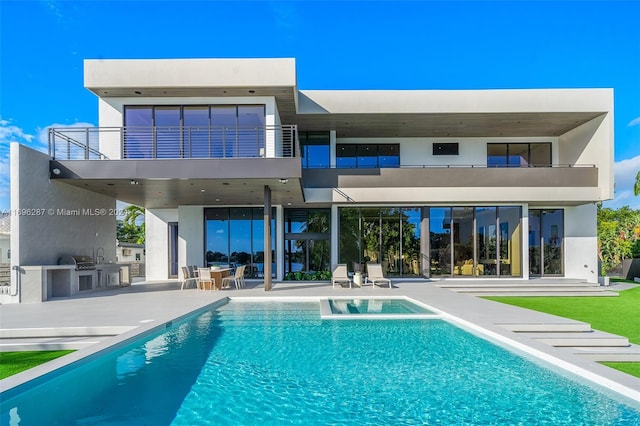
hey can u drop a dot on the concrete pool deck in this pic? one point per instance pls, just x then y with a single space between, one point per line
99 319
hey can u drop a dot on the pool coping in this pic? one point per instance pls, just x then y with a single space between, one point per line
472 314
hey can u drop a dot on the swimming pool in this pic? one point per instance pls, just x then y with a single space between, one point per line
279 362
376 306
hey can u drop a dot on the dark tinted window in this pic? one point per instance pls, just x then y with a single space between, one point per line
445 149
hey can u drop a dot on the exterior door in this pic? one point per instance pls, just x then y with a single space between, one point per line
546 236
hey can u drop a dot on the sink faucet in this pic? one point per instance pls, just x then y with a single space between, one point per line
100 255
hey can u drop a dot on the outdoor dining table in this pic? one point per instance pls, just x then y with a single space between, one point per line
217 274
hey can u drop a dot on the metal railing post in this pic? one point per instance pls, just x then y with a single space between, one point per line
86 140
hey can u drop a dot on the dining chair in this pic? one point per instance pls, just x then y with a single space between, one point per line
204 277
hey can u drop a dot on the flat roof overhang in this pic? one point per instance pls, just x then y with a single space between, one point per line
169 183
444 125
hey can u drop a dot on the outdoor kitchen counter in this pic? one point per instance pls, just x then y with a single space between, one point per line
41 283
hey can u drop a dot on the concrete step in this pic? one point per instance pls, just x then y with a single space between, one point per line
13 333
515 284
584 339
563 327
48 343
493 292
628 354
59 338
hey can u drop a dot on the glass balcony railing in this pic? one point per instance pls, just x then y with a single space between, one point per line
91 143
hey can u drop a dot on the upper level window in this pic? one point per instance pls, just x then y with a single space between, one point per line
519 154
367 155
315 149
194 131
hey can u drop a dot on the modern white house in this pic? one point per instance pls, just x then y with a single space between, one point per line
237 165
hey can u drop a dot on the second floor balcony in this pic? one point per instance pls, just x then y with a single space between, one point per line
99 143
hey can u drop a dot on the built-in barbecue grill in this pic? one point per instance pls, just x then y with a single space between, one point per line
82 263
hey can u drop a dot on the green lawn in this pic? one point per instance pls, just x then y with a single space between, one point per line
616 315
15 362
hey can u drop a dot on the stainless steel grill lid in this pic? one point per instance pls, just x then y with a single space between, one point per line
80 262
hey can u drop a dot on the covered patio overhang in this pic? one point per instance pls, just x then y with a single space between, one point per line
169 183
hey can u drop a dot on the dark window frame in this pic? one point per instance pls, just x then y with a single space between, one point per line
507 157
363 151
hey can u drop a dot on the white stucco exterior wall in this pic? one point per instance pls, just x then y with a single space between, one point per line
592 143
581 242
190 237
157 242
70 219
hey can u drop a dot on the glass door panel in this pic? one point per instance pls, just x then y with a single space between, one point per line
138 135
463 258
486 241
223 130
552 235
535 246
240 237
251 132
370 237
196 132
440 241
390 236
349 244
510 241
167 124
217 244
411 259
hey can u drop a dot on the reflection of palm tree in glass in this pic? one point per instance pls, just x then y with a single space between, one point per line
318 222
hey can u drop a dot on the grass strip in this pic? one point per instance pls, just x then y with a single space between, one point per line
14 362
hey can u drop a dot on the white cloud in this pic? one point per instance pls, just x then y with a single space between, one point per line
634 122
8 135
625 176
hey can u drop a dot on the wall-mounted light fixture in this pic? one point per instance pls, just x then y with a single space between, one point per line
283 180
56 171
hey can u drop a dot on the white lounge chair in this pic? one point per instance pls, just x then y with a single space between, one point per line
339 275
375 275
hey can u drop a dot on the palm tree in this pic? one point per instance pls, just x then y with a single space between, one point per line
636 187
132 214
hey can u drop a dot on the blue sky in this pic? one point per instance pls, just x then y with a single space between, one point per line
337 45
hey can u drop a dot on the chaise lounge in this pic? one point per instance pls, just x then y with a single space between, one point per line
375 275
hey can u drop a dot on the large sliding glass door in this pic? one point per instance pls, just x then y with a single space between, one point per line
235 236
475 241
389 236
194 131
307 240
546 236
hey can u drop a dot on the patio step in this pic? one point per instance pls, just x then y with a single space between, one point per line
564 327
59 338
539 293
577 339
527 288
628 354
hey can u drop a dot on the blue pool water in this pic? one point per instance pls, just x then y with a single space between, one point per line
279 363
376 306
